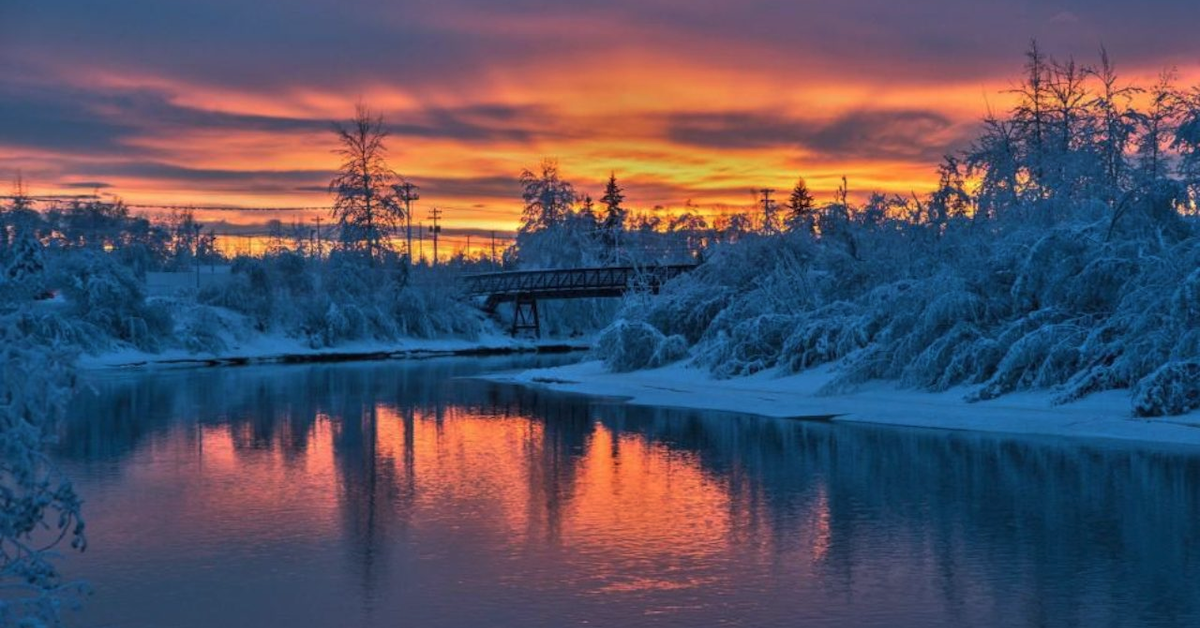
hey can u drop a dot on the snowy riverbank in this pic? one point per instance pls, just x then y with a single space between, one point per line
284 350
1104 415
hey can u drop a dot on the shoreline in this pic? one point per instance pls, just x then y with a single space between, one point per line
277 350
1105 416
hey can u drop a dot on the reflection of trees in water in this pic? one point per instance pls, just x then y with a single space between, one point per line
105 422
278 408
1086 524
1093 523
263 407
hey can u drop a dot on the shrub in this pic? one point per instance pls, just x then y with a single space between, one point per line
1172 389
108 296
632 345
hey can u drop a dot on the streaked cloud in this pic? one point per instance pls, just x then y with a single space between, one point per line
227 101
881 134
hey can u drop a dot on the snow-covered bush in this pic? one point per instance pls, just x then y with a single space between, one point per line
671 349
345 298
829 333
202 329
632 345
107 296
1172 389
751 346
430 305
340 323
1002 305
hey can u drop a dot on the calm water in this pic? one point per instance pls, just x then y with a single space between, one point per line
395 494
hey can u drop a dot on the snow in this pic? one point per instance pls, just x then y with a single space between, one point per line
268 348
1104 415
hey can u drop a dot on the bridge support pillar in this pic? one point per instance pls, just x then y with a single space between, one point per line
525 316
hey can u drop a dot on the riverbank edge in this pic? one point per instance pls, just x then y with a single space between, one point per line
288 351
1103 416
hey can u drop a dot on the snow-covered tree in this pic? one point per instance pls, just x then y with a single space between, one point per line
1117 122
950 199
365 204
548 197
1156 126
39 509
24 272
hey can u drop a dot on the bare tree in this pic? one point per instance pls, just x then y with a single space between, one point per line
1157 126
1031 113
1117 124
365 204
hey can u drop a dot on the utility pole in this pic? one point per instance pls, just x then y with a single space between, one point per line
196 253
434 215
319 251
421 235
768 210
467 254
407 193
493 248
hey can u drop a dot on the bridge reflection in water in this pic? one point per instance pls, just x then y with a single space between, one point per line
386 494
526 287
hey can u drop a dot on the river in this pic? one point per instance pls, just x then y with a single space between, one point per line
409 494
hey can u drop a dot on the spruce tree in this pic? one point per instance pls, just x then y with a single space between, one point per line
614 214
800 207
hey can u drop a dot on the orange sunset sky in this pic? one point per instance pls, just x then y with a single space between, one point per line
230 102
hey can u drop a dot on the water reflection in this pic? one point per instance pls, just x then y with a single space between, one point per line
394 494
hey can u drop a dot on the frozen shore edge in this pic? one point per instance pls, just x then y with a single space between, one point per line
289 351
1104 416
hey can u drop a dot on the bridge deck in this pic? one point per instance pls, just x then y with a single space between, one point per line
525 287
569 283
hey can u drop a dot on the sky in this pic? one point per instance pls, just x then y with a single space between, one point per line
230 102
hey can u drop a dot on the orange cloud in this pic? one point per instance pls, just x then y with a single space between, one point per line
685 101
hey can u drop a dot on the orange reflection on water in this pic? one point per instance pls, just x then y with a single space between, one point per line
616 513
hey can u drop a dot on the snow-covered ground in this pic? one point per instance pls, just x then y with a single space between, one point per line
1105 415
278 348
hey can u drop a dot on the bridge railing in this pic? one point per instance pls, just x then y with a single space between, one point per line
571 282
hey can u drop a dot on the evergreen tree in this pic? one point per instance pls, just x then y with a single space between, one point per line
614 214
588 212
801 207
614 217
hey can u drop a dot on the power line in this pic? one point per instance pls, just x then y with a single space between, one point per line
227 208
